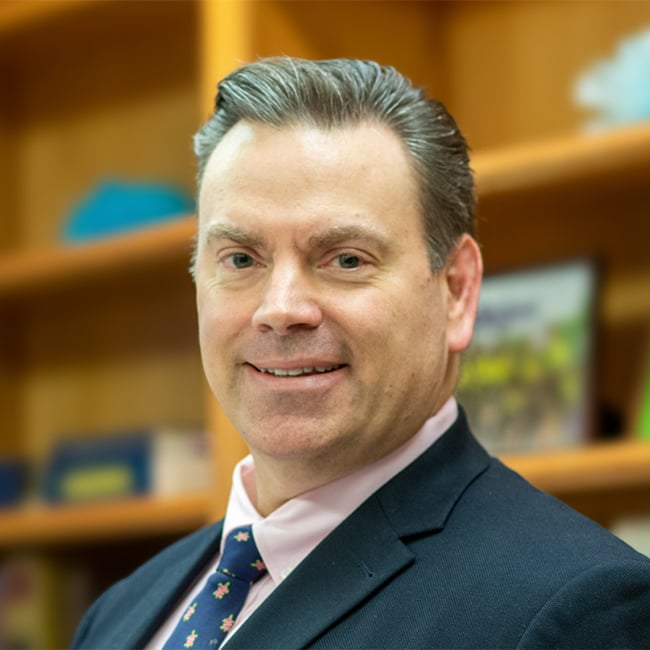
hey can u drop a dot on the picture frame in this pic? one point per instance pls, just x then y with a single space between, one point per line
526 379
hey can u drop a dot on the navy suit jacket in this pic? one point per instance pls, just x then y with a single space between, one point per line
456 551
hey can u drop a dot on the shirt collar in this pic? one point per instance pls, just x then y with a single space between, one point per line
290 533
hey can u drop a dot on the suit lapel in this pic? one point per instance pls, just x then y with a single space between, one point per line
421 497
368 548
341 572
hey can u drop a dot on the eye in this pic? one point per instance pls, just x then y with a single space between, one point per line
241 260
348 261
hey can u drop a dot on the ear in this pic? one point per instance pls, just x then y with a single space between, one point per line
463 273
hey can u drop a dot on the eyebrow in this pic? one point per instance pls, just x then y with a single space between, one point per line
237 235
332 237
340 234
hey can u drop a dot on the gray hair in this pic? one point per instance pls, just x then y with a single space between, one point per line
285 92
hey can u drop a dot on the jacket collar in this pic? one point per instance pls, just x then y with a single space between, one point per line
368 548
420 498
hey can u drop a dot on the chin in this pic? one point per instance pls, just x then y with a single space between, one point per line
293 441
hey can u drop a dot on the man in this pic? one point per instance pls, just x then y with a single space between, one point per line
337 282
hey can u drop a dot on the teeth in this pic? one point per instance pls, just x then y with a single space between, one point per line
297 372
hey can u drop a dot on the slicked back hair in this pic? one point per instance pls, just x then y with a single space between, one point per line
289 92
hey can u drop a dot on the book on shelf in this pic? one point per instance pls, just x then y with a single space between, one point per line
525 379
120 464
641 415
13 481
41 602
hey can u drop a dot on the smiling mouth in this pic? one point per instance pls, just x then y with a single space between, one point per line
298 372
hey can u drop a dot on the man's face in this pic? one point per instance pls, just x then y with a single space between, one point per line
323 331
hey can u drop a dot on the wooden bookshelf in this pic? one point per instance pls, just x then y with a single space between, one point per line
103 335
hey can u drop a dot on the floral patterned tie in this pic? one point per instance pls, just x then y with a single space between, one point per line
212 615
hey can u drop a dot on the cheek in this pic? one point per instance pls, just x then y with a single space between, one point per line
419 329
207 321
223 323
213 332
218 313
386 335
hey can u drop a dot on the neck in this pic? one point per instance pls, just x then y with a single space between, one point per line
278 481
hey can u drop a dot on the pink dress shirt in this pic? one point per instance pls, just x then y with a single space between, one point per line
290 533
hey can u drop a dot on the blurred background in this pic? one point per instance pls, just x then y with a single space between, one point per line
110 446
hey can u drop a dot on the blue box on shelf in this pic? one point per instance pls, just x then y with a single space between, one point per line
82 470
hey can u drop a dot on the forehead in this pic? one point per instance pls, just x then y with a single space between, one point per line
358 171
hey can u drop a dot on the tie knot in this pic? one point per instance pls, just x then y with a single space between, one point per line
240 558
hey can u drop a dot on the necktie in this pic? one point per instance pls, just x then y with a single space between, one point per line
212 615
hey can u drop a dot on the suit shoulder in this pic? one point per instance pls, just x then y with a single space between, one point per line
604 606
530 516
164 575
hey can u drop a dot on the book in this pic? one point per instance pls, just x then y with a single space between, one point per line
42 600
525 380
642 419
115 465
28 617
13 481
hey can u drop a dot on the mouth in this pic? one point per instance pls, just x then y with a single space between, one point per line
299 372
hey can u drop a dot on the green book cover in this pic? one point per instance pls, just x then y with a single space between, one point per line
644 411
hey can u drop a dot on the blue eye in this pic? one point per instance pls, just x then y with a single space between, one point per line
348 261
241 260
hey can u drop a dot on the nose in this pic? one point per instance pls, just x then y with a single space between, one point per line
289 302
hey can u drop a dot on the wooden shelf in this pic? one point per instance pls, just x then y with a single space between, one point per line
568 473
38 270
139 517
18 14
605 482
620 465
565 160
